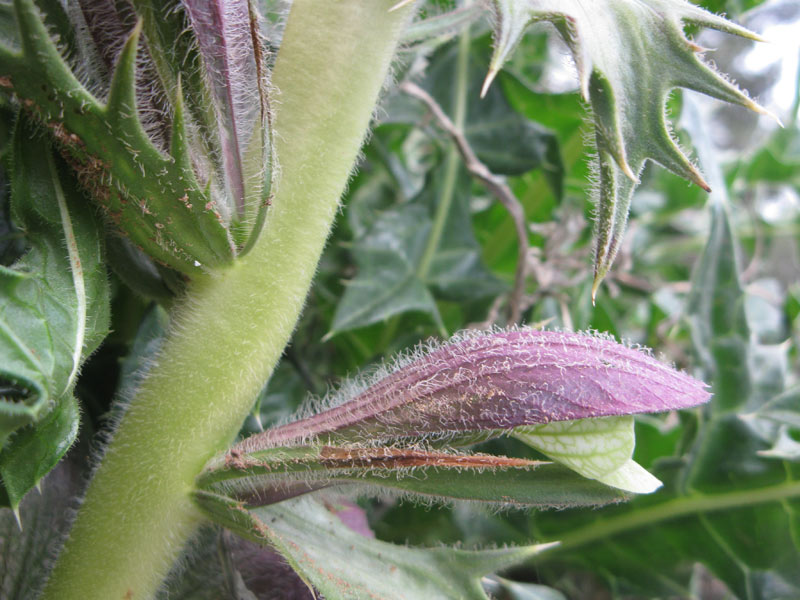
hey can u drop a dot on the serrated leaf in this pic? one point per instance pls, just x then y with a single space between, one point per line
629 54
269 476
54 312
392 278
387 282
783 408
599 449
344 565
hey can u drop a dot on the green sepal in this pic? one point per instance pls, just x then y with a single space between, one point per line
179 141
274 474
143 193
121 103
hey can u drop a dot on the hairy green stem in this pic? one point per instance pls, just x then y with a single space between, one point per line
230 330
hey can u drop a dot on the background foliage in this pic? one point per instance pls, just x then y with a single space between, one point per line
422 249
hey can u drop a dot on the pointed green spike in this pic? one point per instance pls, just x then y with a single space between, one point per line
707 81
121 105
698 16
487 83
15 510
606 114
511 21
665 151
629 55
611 219
33 34
179 147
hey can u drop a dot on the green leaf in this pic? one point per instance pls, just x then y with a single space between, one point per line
392 276
398 270
343 565
716 304
28 552
504 140
54 312
387 283
629 54
598 448
36 449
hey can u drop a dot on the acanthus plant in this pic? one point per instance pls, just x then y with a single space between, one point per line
161 114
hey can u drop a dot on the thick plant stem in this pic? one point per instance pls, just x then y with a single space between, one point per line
233 325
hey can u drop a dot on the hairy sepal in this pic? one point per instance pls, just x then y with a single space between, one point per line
226 32
54 312
568 395
276 474
629 55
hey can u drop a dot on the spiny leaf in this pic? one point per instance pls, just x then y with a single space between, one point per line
732 498
53 313
629 54
342 564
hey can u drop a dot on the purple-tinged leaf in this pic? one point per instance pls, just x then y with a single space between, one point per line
498 380
224 33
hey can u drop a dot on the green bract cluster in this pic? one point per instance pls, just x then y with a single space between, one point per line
178 199
183 185
629 54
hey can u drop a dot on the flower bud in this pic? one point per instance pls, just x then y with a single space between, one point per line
498 381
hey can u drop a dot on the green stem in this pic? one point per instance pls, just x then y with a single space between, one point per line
674 509
231 329
453 160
